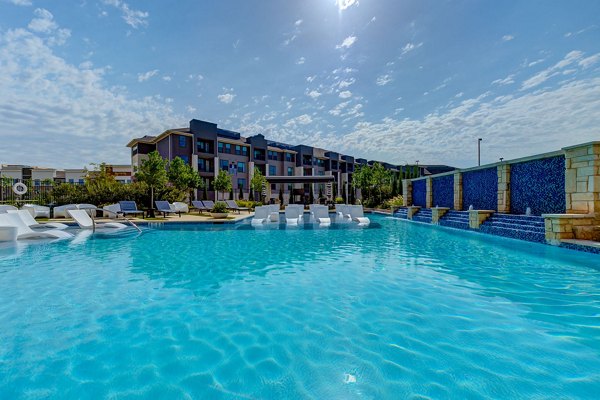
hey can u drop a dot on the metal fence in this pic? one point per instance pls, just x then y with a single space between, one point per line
37 192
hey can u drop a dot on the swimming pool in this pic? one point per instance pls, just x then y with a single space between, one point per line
387 312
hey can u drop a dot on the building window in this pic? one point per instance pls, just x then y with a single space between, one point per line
201 164
289 157
273 187
238 149
228 148
81 182
186 159
71 180
245 151
241 166
224 165
241 183
182 141
290 171
204 146
220 147
289 187
272 155
272 170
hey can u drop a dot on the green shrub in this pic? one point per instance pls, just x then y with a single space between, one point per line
219 207
339 200
396 201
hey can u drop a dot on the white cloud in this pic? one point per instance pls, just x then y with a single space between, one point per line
167 78
44 21
303 119
589 61
347 43
71 113
298 23
144 76
346 83
301 61
20 2
345 94
536 62
338 109
511 126
313 94
383 80
506 81
226 97
345 4
190 109
507 38
133 18
410 47
548 73
311 78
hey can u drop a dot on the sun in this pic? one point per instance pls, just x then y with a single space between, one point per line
344 4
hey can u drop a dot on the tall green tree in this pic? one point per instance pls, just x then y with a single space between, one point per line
380 182
222 183
183 177
101 185
258 181
152 171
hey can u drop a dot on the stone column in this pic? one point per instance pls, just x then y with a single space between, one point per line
412 210
582 179
428 193
407 192
504 188
477 217
458 193
437 213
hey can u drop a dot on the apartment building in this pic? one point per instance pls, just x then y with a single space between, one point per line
42 175
209 149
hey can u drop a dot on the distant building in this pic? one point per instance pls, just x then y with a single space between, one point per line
209 149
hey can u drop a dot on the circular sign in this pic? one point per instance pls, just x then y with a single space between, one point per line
19 188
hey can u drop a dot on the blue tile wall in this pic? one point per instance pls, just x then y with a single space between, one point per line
443 191
419 193
538 184
480 189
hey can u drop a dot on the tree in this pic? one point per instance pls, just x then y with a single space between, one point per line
222 183
183 177
241 194
152 171
258 181
231 193
361 179
205 190
380 181
281 194
101 185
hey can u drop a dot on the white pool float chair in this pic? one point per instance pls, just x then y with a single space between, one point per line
25 232
32 223
84 221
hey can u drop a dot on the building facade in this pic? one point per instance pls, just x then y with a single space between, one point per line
210 149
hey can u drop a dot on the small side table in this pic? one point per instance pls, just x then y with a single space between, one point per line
8 233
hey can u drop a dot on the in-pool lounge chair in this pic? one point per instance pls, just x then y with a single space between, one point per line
293 214
165 208
343 211
232 205
32 223
5 208
273 212
261 215
199 206
358 215
129 207
321 215
25 232
84 221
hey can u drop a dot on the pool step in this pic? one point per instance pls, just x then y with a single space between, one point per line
423 215
455 219
401 213
530 228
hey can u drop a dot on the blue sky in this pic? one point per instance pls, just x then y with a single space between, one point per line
395 80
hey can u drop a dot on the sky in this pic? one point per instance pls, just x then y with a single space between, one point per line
389 80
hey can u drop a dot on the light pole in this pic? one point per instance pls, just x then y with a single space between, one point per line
479 151
418 170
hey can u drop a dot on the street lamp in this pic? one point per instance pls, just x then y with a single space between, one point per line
479 151
418 170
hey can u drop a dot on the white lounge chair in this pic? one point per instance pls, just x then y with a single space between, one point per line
261 215
84 221
343 211
273 212
89 208
292 217
61 211
25 232
37 210
181 207
32 223
357 214
111 210
5 208
321 215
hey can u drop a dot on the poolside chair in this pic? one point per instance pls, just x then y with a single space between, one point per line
357 214
165 208
181 207
4 209
273 212
294 213
89 208
110 210
61 211
32 223
343 210
25 232
321 215
209 204
199 206
37 210
129 207
261 215
232 205
84 221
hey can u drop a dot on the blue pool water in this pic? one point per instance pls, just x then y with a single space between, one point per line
398 310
